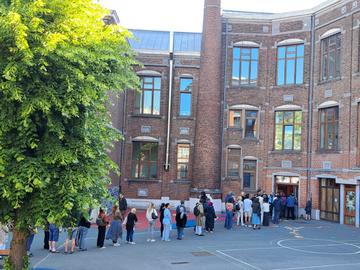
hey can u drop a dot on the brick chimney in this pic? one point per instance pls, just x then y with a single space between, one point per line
206 170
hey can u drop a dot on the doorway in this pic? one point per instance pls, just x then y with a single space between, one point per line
350 205
287 184
329 199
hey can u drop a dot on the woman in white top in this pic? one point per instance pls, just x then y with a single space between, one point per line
266 210
151 216
239 207
247 210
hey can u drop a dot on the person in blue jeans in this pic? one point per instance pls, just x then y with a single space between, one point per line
130 225
53 237
84 226
167 223
181 220
290 206
277 209
30 241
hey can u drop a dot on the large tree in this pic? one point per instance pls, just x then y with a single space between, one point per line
58 61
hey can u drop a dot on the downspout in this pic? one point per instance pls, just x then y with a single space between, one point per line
171 64
310 105
223 170
350 87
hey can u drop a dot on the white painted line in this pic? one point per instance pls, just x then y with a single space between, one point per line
318 266
238 260
223 258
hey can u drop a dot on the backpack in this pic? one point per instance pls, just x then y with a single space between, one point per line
237 207
153 215
100 222
196 211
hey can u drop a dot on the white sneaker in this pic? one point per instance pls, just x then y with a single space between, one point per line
104 247
116 244
132 243
153 240
148 240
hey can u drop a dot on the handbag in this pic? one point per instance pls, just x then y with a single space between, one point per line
154 215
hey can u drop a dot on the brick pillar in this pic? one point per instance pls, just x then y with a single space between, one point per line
206 170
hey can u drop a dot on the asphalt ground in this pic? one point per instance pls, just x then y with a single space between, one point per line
290 246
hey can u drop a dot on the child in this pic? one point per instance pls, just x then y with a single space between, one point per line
130 224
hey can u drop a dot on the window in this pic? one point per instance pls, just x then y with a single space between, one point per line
235 119
290 65
245 66
234 162
144 160
183 153
288 130
185 96
247 124
330 64
249 174
147 100
329 128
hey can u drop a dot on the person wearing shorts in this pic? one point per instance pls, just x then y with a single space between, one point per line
53 237
71 235
247 210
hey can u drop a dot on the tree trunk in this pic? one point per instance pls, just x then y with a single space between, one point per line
18 249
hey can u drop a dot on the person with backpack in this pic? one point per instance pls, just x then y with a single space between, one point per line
199 214
102 222
239 208
151 216
181 219
210 217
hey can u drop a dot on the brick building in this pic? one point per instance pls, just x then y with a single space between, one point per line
257 100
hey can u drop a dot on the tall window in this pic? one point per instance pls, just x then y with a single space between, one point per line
245 120
330 63
144 160
329 128
147 100
185 96
183 153
234 162
290 69
288 130
245 66
249 173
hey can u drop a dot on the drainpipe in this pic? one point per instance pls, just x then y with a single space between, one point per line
310 105
224 103
171 64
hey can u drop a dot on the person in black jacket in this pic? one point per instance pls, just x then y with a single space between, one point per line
181 220
122 204
209 217
130 224
161 211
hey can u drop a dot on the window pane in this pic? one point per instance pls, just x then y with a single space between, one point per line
290 71
156 110
298 117
337 60
183 171
157 83
322 136
236 54
245 72
297 138
281 52
235 119
254 72
249 175
299 70
185 104
138 102
186 84
300 51
288 137
148 80
245 53
278 137
147 102
250 131
288 117
233 162
331 64
281 72
255 54
236 71
278 117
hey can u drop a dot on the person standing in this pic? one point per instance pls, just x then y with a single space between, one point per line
84 226
102 222
290 207
130 226
167 223
181 219
210 217
277 208
115 230
151 216
181 205
266 209
122 204
229 210
283 206
247 210
308 209
53 237
199 218
161 211
256 213
239 208
46 236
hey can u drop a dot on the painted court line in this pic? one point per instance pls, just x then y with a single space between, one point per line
238 260
223 258
318 266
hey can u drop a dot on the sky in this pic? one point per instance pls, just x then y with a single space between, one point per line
186 15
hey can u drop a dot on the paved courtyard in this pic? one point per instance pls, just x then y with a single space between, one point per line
289 246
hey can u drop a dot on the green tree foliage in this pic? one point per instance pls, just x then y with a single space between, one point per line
58 61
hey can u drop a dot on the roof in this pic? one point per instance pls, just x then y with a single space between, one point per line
159 41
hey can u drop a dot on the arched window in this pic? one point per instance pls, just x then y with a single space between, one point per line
331 54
